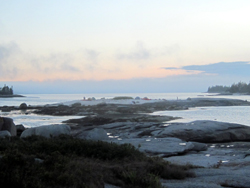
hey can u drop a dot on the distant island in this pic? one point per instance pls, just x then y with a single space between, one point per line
7 91
240 87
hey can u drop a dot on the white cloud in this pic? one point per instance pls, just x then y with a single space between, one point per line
15 64
140 52
92 59
92 55
6 50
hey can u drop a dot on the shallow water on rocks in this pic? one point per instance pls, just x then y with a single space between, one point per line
231 114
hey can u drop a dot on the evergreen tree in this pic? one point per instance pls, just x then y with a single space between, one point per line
240 87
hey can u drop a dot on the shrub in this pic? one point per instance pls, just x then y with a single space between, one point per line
69 162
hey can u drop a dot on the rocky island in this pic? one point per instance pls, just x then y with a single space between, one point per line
239 88
217 153
7 92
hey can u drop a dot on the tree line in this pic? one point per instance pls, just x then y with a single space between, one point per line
240 87
6 90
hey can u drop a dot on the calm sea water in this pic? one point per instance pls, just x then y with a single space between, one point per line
235 114
232 114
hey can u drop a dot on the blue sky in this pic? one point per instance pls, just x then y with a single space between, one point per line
123 46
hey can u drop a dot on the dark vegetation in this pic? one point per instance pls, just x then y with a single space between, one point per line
122 98
6 90
218 89
240 87
69 162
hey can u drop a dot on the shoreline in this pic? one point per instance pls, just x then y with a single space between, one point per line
131 106
10 96
192 102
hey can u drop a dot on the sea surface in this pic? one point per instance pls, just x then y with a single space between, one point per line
232 114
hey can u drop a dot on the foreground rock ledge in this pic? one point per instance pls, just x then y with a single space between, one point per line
222 149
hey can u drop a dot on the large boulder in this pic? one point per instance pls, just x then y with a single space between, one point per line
4 134
7 124
23 106
207 131
94 134
47 131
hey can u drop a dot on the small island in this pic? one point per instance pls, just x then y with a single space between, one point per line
240 87
7 92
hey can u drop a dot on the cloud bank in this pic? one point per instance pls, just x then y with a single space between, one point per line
86 64
87 72
239 68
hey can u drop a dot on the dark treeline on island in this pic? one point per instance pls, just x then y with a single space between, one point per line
6 90
240 87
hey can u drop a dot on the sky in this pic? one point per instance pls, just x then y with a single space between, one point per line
112 46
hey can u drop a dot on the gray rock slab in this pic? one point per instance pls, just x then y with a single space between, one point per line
195 159
207 131
215 155
47 131
188 184
166 146
94 134
196 146
223 176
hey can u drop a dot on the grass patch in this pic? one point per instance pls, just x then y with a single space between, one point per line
64 162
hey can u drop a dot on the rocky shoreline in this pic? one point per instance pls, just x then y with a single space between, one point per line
221 149
10 96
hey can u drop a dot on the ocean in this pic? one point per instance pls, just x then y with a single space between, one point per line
232 114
